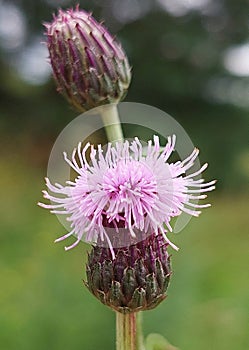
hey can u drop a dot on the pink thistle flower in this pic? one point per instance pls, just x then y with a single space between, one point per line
127 189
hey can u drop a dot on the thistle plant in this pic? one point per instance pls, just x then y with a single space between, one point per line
122 199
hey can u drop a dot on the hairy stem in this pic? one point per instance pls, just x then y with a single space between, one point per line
111 121
126 331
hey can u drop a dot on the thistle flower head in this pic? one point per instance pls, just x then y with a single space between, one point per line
136 279
90 67
125 192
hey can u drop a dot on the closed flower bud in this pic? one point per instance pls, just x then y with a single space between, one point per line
90 67
135 279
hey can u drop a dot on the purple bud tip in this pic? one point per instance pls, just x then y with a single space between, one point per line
89 66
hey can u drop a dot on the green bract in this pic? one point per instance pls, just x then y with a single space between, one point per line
136 279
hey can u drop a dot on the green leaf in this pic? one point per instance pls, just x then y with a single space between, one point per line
156 341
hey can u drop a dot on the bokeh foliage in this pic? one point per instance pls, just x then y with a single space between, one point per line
178 66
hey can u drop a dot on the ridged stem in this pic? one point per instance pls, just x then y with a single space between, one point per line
126 331
111 121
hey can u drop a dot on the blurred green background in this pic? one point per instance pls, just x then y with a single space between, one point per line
190 58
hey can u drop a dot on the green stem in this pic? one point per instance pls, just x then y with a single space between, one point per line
111 121
126 331
140 338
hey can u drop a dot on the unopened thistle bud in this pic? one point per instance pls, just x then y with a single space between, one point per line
135 279
90 67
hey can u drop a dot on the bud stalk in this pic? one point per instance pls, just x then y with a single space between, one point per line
126 331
